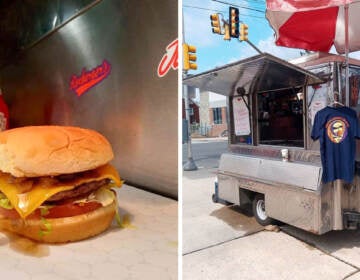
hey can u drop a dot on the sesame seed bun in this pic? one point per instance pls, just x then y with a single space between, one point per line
34 151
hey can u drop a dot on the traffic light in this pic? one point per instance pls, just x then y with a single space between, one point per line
234 22
189 57
215 23
227 32
243 32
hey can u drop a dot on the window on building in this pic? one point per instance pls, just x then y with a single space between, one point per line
280 118
191 111
217 116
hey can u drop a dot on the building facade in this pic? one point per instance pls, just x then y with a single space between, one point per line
213 120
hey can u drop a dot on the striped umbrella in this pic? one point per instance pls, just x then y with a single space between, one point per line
316 25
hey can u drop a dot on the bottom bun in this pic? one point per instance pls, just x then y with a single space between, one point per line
63 229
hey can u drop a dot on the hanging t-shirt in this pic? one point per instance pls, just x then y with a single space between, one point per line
336 128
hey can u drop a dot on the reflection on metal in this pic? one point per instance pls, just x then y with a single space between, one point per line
24 23
134 108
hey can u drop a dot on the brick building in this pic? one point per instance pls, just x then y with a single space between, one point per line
217 117
213 121
194 111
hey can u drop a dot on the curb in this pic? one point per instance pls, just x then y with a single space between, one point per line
212 139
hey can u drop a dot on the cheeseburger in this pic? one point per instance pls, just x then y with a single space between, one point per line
55 183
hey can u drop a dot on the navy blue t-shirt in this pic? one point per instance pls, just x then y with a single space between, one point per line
336 128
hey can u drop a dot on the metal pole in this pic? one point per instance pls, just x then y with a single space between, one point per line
337 217
190 164
252 45
346 10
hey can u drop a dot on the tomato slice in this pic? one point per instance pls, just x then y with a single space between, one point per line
9 213
59 211
71 209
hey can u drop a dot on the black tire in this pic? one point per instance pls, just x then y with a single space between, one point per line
258 207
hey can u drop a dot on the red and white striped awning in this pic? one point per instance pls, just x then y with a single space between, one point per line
315 25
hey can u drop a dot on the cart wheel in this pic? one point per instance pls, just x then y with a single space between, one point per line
258 206
214 198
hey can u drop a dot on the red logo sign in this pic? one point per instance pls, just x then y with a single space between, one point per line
169 60
88 79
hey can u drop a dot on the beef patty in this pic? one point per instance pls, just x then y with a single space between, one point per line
79 191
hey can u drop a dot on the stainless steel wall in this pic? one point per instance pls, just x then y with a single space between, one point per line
134 108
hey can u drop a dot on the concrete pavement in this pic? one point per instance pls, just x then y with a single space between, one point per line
222 242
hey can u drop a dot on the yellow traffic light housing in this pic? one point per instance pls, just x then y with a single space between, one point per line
215 23
189 57
234 22
243 32
227 32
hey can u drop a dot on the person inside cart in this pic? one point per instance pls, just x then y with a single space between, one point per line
284 109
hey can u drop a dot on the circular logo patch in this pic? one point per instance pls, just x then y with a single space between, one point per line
337 129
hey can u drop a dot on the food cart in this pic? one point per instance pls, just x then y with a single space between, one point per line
272 162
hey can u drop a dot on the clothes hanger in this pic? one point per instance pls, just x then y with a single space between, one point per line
336 102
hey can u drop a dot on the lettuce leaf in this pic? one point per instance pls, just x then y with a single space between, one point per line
47 227
5 202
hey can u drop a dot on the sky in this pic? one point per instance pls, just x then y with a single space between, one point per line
213 51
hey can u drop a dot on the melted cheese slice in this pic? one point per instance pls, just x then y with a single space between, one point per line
25 202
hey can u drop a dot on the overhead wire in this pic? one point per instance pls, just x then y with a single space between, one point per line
235 5
220 11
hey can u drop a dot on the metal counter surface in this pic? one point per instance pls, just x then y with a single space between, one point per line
134 108
145 248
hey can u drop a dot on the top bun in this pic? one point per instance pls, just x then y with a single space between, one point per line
33 151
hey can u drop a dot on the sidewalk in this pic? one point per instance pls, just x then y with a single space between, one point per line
222 242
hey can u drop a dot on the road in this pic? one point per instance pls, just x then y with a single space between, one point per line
206 153
225 242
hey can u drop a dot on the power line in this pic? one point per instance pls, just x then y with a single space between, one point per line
255 2
213 10
231 4
201 8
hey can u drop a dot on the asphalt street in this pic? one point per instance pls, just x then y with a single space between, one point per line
225 242
206 152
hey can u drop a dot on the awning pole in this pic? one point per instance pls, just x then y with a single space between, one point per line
346 10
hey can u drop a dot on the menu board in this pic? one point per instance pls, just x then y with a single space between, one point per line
318 98
241 116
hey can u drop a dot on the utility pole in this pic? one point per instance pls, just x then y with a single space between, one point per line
189 165
186 65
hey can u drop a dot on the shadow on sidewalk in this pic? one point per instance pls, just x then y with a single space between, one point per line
239 218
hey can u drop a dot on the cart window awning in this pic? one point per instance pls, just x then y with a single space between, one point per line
258 73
